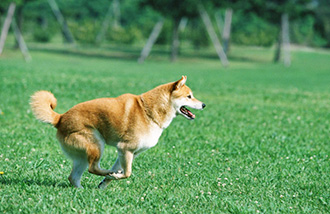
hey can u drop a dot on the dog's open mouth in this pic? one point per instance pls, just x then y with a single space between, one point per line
187 113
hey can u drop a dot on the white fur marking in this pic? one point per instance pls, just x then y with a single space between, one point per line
79 166
150 139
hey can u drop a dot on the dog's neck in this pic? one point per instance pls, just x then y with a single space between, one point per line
157 105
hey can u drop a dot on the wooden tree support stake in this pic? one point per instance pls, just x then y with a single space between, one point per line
5 28
10 20
207 21
105 25
113 12
65 29
219 22
183 24
151 40
21 43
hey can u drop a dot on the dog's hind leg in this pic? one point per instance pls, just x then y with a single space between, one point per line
85 149
94 154
79 166
91 143
73 147
125 160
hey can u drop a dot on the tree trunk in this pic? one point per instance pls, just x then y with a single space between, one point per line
283 42
286 40
277 55
6 25
175 41
43 22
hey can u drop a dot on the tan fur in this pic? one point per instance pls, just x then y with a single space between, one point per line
42 104
131 123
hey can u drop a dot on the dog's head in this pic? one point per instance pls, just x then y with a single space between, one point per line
182 97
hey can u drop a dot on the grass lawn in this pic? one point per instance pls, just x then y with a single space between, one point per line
261 145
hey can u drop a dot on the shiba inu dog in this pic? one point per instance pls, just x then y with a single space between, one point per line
131 123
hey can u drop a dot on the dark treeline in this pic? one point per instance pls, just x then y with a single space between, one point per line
254 22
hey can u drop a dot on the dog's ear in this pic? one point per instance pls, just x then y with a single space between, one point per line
178 84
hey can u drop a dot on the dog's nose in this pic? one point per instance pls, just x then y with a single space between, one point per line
203 105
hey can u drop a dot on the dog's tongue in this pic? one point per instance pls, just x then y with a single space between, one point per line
185 111
191 114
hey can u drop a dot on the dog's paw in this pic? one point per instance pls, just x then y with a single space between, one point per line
111 176
104 184
114 175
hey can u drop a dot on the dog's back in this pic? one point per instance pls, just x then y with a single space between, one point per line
116 119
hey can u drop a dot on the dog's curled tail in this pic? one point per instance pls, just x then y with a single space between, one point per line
42 105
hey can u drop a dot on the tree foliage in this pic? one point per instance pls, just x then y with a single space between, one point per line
173 9
255 22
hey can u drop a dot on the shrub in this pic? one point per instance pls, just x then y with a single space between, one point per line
252 30
303 32
165 36
42 35
196 33
124 35
85 31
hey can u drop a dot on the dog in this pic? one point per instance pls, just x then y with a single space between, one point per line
131 123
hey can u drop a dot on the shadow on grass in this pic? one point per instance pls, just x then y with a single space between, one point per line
104 55
133 53
231 58
33 182
42 182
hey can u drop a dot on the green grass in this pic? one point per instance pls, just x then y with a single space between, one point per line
261 144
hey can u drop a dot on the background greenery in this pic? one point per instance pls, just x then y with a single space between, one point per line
260 145
255 22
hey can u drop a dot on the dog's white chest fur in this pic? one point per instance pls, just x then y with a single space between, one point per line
149 139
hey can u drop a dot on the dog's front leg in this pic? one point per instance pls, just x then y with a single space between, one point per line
116 168
122 168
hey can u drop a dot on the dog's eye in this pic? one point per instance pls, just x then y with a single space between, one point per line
189 96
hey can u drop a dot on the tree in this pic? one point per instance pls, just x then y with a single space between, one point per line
272 11
323 13
277 8
174 10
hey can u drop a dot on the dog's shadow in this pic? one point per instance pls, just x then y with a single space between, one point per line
50 182
33 182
